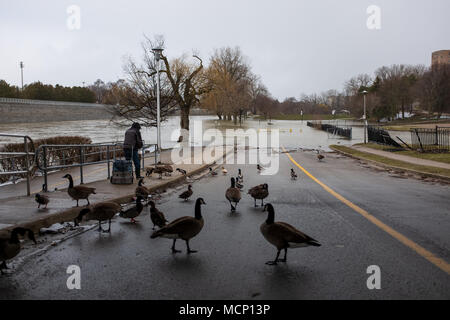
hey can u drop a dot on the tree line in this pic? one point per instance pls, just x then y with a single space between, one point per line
39 91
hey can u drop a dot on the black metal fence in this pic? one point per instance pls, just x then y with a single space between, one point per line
344 132
381 136
431 140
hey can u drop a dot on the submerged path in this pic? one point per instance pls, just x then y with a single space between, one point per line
230 263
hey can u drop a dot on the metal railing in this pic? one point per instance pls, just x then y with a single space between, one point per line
431 140
12 159
57 157
381 136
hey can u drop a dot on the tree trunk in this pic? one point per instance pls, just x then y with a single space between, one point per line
184 123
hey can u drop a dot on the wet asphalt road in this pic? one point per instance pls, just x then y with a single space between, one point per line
230 263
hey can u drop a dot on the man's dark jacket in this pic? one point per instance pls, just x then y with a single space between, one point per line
133 139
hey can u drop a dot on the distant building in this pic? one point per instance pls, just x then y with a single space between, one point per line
440 57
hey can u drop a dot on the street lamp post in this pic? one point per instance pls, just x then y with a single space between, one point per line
365 117
158 52
21 72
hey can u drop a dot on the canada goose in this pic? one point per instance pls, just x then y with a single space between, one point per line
101 211
319 156
293 174
183 172
259 192
259 168
142 191
233 194
41 200
238 184
156 216
213 173
183 228
186 194
224 171
134 211
10 245
283 235
240 177
78 192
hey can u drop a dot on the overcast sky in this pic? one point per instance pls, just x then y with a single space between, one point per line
296 46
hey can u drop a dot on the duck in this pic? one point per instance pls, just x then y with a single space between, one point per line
259 192
142 191
134 211
156 216
101 211
186 194
78 192
293 174
233 194
41 200
184 228
224 171
283 236
10 244
240 177
160 169
167 168
183 172
238 184
319 156
213 173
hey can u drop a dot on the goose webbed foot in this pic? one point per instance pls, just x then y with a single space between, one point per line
274 262
173 247
189 251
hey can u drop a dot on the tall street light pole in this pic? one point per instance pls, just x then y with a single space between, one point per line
365 117
158 52
21 72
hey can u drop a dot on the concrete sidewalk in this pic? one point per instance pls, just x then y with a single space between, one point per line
23 211
412 160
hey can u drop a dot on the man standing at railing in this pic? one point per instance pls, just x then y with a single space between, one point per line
131 146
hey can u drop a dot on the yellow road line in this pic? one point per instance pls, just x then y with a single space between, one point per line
438 262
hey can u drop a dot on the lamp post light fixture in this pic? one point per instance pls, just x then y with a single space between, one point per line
365 117
158 53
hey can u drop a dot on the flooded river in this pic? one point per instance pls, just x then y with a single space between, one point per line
292 134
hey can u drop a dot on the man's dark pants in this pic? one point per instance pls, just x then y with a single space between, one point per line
129 153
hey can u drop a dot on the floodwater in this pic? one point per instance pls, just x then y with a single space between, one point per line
292 134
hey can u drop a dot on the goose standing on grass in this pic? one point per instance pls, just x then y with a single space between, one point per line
142 191
101 212
293 174
156 216
10 245
184 228
186 194
213 173
134 211
283 235
78 192
183 172
224 171
319 156
233 194
259 192
41 200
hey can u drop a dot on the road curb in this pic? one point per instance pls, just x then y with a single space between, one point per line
72 213
426 174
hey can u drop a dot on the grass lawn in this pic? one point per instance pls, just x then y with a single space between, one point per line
391 162
441 157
